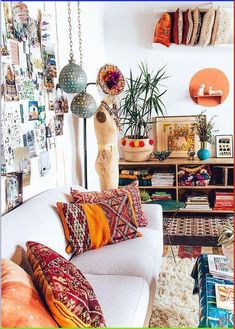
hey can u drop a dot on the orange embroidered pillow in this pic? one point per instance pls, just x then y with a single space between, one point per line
162 32
21 305
91 226
68 294
131 189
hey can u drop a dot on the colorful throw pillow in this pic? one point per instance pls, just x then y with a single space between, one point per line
68 294
197 22
21 306
162 32
91 226
206 30
95 197
178 27
221 28
188 27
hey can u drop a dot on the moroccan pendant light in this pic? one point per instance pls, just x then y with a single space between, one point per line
72 78
83 104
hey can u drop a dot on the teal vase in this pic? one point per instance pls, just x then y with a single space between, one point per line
203 153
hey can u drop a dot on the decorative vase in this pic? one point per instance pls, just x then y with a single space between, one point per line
203 153
137 150
228 252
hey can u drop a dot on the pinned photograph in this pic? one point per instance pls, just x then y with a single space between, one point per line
10 90
59 124
13 190
44 163
40 136
42 114
29 141
61 102
14 49
22 163
20 16
33 110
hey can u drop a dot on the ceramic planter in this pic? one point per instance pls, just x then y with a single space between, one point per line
137 150
228 252
203 153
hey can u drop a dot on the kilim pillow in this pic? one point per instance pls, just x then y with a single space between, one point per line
187 27
91 226
21 305
162 32
206 30
68 295
178 27
197 21
95 197
221 28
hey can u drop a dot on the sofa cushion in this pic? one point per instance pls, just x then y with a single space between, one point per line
36 219
21 305
137 257
127 294
95 197
69 296
90 226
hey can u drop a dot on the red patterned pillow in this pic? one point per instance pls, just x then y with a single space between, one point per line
91 226
178 27
95 197
69 296
188 27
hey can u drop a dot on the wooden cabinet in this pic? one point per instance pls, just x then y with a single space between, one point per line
179 192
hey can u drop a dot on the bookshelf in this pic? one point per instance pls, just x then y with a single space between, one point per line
177 191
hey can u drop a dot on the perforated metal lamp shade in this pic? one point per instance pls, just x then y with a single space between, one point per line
83 105
72 78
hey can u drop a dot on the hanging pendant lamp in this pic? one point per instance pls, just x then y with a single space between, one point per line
72 78
83 104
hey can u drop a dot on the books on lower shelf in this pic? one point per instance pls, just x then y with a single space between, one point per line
224 201
162 179
224 296
219 267
156 196
197 202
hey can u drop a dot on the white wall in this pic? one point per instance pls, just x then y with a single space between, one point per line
129 28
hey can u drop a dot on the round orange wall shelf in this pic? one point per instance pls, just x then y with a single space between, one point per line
210 77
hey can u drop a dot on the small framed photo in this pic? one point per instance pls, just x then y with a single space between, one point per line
224 146
12 188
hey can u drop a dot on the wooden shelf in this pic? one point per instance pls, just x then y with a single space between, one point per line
157 187
174 47
179 161
218 98
207 187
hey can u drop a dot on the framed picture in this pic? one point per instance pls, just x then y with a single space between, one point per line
11 187
224 146
175 134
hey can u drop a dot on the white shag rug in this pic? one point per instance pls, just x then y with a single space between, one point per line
175 306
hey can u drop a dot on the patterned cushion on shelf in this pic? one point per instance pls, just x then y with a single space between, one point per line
221 28
69 296
95 197
91 226
162 32
21 305
207 26
178 27
197 20
187 27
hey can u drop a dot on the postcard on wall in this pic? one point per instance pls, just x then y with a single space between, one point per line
10 90
22 163
40 136
59 124
20 16
176 134
33 110
44 163
29 141
13 191
14 48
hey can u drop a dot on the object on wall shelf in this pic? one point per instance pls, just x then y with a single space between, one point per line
215 81
224 146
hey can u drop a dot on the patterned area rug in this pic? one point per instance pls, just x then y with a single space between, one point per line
174 305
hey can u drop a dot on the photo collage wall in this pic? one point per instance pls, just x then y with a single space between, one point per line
33 104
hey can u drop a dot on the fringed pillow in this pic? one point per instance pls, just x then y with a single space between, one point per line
69 296
178 27
197 21
162 32
187 27
206 30
221 28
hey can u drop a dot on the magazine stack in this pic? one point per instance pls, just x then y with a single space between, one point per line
197 202
163 179
219 267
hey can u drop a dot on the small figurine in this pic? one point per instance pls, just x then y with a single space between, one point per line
215 92
201 89
190 154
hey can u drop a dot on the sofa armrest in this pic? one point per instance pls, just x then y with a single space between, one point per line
153 214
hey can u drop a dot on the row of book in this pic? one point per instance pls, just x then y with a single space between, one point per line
219 268
161 196
197 202
162 179
224 201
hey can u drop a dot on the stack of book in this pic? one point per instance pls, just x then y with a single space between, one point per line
219 267
163 179
197 202
224 201
224 296
156 196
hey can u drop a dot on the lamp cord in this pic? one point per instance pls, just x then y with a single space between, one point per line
70 33
79 32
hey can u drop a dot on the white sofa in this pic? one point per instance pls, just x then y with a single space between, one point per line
123 275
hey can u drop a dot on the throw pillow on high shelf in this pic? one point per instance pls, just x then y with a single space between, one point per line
69 296
162 33
207 27
221 27
95 197
197 22
91 226
188 27
178 27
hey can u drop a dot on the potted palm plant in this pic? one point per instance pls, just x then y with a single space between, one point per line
142 101
226 239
